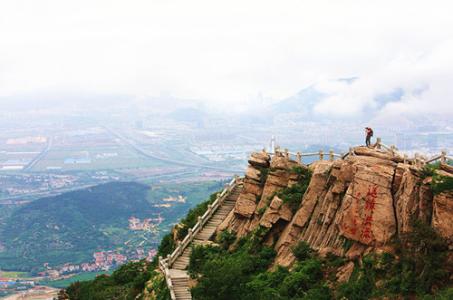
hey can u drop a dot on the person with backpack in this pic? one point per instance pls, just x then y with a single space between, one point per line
369 134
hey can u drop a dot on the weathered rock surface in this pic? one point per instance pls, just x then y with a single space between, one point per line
345 272
245 205
351 207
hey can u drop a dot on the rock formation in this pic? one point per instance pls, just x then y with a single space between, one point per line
352 206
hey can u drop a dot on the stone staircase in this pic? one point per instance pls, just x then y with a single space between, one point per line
178 274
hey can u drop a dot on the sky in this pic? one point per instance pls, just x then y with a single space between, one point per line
226 53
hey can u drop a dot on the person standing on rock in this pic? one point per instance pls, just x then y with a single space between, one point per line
369 134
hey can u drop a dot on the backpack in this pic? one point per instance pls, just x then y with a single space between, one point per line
371 132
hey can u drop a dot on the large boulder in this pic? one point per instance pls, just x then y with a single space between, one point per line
245 205
259 159
367 213
277 211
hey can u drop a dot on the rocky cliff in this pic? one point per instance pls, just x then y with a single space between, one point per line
352 206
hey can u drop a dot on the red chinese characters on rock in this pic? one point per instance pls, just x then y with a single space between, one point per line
370 203
361 229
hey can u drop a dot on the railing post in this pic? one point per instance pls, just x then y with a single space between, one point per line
443 158
321 155
416 160
331 155
378 143
423 161
405 159
393 149
299 157
287 153
351 153
191 230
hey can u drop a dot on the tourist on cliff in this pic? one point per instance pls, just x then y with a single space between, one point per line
369 134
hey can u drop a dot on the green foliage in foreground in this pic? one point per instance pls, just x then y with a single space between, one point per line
442 184
439 183
243 273
125 283
293 194
419 271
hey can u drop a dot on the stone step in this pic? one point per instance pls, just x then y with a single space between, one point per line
182 268
204 232
179 283
214 221
223 210
204 237
217 219
208 229
212 226
222 213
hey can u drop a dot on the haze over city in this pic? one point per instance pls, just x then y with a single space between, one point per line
232 55
118 117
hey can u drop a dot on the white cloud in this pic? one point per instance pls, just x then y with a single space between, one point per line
424 78
228 51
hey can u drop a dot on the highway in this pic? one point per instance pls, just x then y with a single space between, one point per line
40 156
145 153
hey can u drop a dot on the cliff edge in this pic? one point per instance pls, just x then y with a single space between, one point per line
351 207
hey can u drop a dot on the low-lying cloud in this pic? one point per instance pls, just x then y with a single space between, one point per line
225 53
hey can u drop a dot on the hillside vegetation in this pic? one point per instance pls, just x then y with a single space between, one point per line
69 227
369 226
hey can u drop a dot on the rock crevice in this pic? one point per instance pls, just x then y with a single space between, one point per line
351 206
